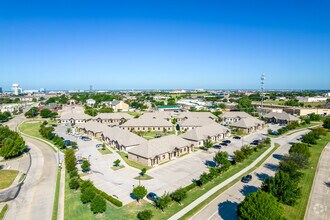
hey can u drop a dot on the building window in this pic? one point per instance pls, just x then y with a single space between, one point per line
163 157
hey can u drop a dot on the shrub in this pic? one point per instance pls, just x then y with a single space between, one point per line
326 123
267 141
300 148
238 156
140 192
85 166
74 173
163 201
178 195
145 215
86 184
98 205
88 195
74 183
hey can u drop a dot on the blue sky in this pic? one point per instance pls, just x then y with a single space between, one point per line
165 44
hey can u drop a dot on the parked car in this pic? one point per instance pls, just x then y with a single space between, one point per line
231 158
54 125
224 144
300 139
247 178
84 138
217 146
255 142
67 143
98 145
237 137
152 196
80 161
227 141
275 133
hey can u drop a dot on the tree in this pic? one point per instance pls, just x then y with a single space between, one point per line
300 160
143 171
74 183
46 113
70 160
245 105
309 138
291 168
117 162
33 112
139 192
221 158
11 143
208 143
163 201
326 123
98 205
282 187
300 148
179 194
68 130
85 166
259 206
88 195
314 117
86 184
145 215
91 112
238 156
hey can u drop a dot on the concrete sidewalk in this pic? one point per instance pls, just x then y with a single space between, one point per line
221 185
319 201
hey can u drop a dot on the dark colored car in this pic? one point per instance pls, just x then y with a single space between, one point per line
255 142
67 142
227 141
152 196
84 138
237 137
217 146
224 144
247 178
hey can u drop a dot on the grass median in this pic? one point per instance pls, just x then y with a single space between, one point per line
57 195
306 181
3 211
7 178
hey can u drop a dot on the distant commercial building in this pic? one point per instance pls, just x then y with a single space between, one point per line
0 89
312 99
90 102
17 90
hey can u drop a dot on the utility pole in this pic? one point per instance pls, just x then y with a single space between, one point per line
262 83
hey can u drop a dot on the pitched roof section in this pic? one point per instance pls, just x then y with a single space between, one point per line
113 116
247 123
93 126
196 122
202 133
153 122
197 115
76 116
159 146
123 137
235 115
281 116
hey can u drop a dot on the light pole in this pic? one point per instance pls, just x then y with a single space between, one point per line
262 92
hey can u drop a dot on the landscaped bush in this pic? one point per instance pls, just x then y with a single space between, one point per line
178 195
145 215
98 205
326 123
163 201
239 156
88 195
74 183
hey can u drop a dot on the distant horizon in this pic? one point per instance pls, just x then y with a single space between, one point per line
157 44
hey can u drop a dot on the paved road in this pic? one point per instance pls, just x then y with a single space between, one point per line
36 197
319 201
225 205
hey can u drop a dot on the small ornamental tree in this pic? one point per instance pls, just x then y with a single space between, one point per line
238 156
85 184
139 192
98 205
74 183
88 195
85 166
178 195
117 162
300 148
221 159
164 201
70 160
326 123
259 206
208 144
145 215
143 171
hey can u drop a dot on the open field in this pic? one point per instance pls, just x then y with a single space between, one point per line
31 128
7 178
306 182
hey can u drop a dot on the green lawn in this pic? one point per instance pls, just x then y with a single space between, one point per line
306 182
133 113
3 211
57 194
31 128
7 178
144 177
105 151
117 167
131 163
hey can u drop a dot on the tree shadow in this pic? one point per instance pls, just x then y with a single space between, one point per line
262 176
228 210
271 166
210 163
327 184
278 156
247 189
1 167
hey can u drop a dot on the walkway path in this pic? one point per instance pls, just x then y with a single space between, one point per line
319 201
